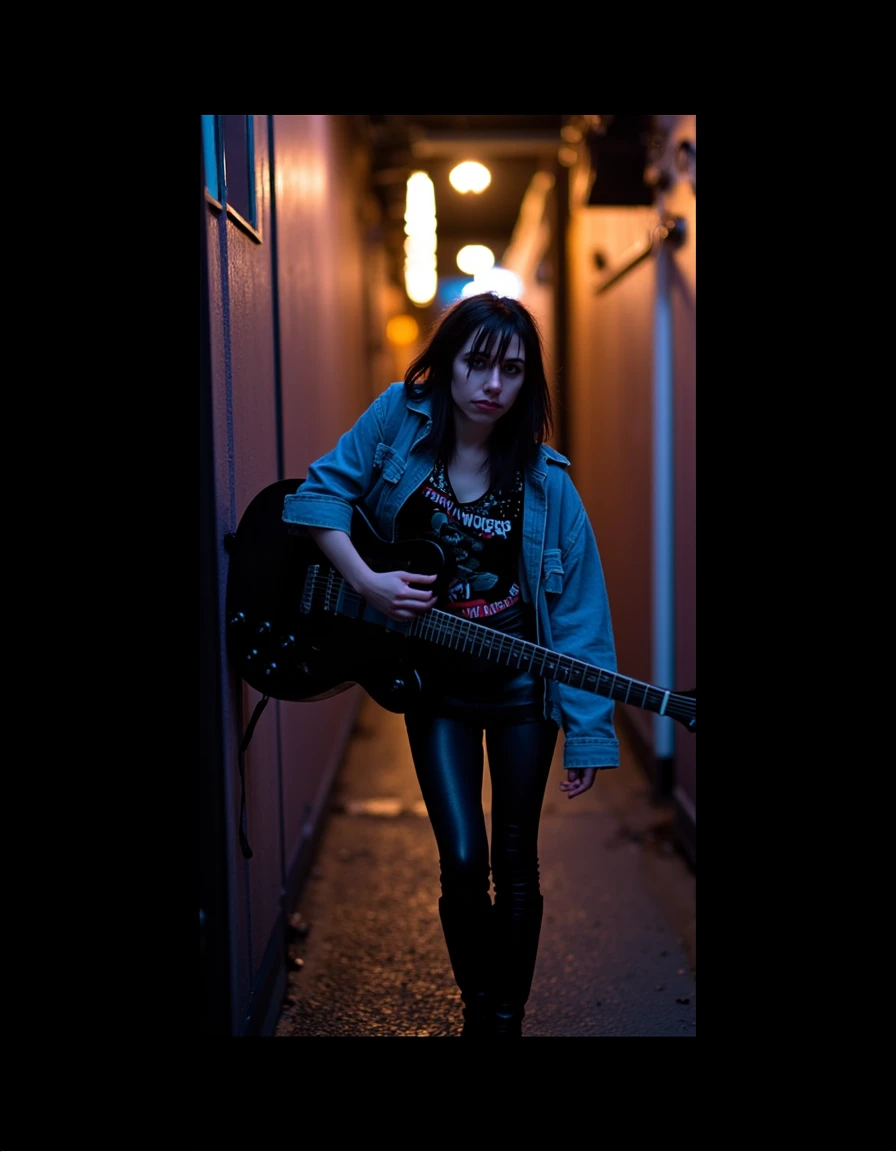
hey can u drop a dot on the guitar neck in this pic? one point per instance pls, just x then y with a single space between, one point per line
450 631
328 591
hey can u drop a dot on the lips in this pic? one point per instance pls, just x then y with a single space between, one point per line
487 406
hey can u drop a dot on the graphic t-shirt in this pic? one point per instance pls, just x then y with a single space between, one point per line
482 542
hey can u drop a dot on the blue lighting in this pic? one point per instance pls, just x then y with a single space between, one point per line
450 289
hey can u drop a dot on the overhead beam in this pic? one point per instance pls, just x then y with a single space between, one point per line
446 145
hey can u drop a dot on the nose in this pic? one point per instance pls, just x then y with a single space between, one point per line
493 381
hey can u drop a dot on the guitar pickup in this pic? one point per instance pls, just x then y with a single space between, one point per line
308 589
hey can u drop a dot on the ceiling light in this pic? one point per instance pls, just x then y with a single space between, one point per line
471 176
475 258
501 281
420 265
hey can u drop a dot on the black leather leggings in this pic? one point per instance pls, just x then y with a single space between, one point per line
448 757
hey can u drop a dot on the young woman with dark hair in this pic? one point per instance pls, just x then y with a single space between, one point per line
457 453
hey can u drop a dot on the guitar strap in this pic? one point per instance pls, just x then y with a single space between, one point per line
244 744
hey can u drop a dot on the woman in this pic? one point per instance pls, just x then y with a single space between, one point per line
457 452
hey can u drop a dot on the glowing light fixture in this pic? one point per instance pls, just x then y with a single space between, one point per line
501 281
475 258
471 176
420 278
420 201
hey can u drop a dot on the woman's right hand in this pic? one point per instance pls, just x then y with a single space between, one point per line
391 593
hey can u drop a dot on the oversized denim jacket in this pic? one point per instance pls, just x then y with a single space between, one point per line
380 461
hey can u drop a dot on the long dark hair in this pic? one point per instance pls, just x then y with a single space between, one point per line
495 320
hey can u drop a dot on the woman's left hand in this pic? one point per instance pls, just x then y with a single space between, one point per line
578 780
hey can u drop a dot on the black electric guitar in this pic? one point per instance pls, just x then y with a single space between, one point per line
298 631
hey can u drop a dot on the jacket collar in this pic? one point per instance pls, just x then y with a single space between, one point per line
551 455
423 406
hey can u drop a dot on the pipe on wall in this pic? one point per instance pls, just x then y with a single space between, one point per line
663 671
669 232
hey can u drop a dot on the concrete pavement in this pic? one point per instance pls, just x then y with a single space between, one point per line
618 943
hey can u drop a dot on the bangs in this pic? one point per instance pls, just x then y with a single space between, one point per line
495 333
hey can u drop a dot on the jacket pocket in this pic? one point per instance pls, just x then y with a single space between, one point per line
552 570
388 463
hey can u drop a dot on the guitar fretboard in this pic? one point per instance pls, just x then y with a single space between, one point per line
327 591
486 643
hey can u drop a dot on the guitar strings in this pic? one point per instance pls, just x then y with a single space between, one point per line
332 593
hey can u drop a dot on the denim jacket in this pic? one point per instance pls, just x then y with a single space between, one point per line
380 461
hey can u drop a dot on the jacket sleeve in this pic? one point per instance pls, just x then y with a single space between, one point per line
337 480
581 627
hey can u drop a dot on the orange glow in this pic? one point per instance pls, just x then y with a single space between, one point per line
402 330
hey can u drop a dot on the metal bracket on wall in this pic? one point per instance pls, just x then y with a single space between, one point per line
670 230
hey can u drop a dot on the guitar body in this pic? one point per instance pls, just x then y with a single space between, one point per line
289 655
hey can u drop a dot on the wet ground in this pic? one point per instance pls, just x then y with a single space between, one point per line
618 953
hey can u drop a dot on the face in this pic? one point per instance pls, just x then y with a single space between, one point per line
484 390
